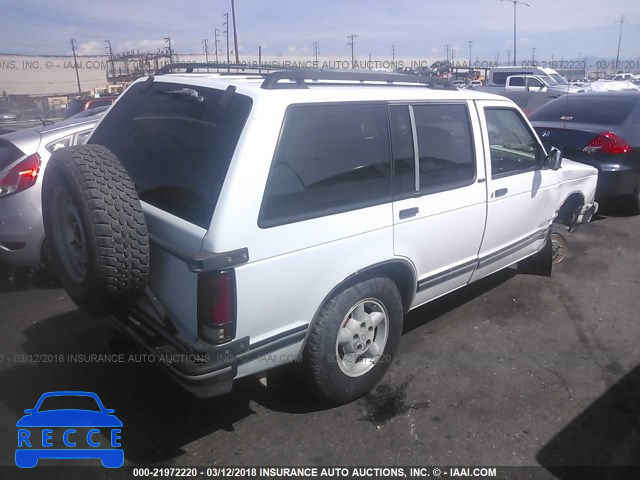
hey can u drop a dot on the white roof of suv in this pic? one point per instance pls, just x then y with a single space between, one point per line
322 91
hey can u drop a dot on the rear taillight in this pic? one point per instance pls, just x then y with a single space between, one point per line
21 177
607 142
217 306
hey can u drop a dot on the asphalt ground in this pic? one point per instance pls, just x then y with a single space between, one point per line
516 370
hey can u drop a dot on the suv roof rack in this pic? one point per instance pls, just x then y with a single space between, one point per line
278 78
302 78
221 68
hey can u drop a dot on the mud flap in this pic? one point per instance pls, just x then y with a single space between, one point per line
541 263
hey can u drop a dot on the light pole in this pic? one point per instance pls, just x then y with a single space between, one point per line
75 63
205 48
352 42
515 5
235 31
216 41
470 47
226 31
168 40
622 22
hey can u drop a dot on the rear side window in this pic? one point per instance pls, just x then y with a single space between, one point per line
605 110
517 82
445 147
9 153
330 159
176 143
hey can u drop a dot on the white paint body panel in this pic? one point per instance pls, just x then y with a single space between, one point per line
293 268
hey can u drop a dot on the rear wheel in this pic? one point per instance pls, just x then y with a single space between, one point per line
94 222
352 340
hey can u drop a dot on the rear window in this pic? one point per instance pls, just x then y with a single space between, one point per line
9 153
176 143
579 108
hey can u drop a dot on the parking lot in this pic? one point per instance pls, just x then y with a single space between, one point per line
515 370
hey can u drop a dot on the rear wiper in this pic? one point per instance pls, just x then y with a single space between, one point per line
185 93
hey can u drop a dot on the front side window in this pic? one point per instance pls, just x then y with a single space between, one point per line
329 159
445 147
534 82
514 149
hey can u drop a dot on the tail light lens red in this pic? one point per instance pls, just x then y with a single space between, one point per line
607 142
21 177
217 306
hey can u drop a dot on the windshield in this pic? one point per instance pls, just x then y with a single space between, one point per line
548 81
559 79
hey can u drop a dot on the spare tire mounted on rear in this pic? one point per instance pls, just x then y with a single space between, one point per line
96 228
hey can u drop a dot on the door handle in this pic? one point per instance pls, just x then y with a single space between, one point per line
501 192
409 212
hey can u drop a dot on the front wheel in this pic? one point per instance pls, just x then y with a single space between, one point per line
353 339
559 247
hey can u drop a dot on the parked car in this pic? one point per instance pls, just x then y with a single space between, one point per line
7 116
87 103
622 77
298 216
23 157
601 129
497 76
459 83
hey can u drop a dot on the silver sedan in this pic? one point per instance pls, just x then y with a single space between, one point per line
23 159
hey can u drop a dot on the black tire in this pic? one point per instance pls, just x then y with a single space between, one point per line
320 371
88 195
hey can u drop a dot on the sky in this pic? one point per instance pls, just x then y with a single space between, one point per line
417 28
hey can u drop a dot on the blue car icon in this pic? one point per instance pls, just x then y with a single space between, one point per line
77 433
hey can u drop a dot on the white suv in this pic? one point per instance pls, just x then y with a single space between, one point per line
231 224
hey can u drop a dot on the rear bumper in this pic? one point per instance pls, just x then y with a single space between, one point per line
204 370
21 229
613 183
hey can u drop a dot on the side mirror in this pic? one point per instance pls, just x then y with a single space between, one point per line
29 411
554 159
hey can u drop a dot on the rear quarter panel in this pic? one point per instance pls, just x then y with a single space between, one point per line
293 267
